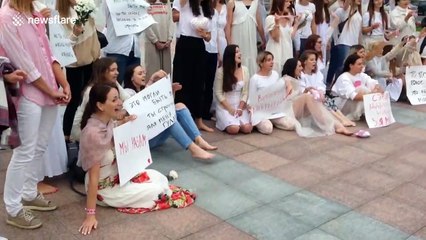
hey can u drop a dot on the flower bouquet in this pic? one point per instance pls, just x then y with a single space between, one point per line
84 8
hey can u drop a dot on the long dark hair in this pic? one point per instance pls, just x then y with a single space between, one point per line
128 77
289 67
207 7
320 6
98 93
350 61
229 67
100 67
277 7
311 42
382 12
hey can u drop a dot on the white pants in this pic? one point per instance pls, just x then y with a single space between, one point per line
35 124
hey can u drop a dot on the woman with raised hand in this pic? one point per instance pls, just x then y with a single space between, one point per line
231 91
37 109
352 85
184 131
147 191
403 19
375 24
281 26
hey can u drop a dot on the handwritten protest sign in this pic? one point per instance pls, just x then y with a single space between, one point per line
156 103
129 16
61 44
415 78
131 149
268 103
378 112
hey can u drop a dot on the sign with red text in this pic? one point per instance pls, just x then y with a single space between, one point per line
156 103
415 78
268 103
129 16
131 149
378 112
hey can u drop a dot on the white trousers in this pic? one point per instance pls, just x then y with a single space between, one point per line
35 125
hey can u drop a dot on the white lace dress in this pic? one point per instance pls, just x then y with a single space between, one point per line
223 118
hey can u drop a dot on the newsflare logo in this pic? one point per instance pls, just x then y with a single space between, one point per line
19 20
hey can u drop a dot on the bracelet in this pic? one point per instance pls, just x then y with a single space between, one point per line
90 211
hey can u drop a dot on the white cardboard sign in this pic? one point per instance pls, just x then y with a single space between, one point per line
378 112
415 78
156 104
129 16
131 149
61 45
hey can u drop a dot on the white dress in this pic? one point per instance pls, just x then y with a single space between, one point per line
223 118
131 195
283 49
244 33
55 158
221 39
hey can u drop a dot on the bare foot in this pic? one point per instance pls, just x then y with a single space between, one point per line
203 127
198 152
204 144
349 124
46 188
344 131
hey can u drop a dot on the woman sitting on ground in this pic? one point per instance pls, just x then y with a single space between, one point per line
351 87
184 131
312 82
311 118
105 70
147 191
264 78
231 91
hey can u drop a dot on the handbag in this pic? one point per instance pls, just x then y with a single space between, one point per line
341 25
103 41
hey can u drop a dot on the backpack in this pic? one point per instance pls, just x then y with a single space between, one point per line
75 173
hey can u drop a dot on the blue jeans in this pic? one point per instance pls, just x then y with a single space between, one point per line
184 131
338 55
123 62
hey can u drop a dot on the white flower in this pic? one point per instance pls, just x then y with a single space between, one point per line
173 174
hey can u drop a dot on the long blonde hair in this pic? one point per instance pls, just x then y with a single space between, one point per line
22 6
63 7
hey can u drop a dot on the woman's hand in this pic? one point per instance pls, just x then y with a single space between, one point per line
15 76
77 29
176 86
89 223
46 12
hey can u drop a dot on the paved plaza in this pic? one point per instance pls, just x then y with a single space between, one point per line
272 187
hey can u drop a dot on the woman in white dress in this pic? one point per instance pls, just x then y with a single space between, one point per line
352 85
231 91
322 20
310 117
221 24
281 32
264 78
243 18
147 191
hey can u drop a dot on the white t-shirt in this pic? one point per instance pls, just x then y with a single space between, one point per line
308 10
315 80
211 46
347 83
352 29
377 18
185 26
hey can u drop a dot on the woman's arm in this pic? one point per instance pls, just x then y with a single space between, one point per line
90 221
229 19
